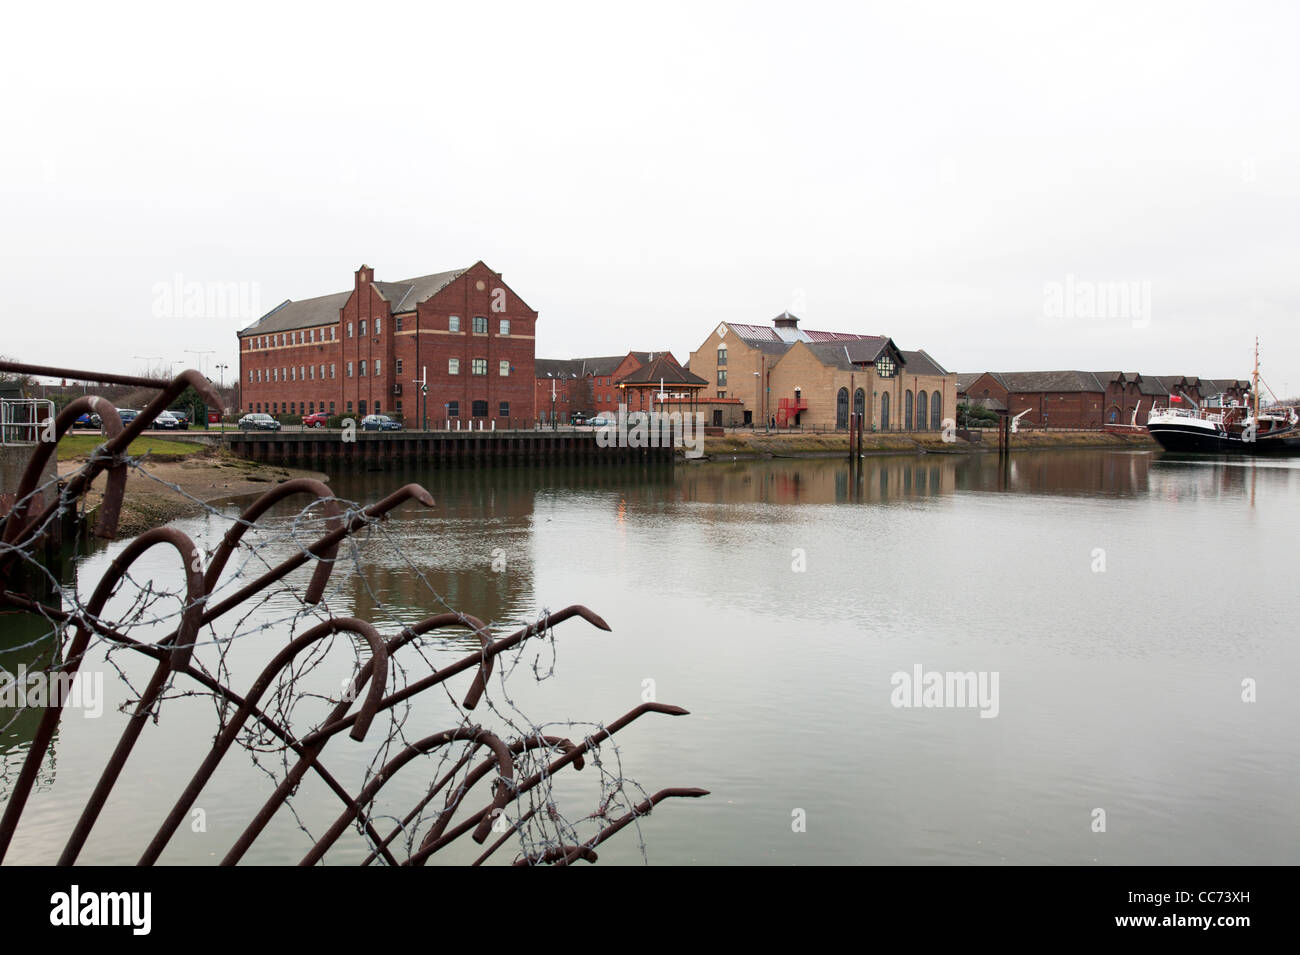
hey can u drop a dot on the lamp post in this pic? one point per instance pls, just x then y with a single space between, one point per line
221 375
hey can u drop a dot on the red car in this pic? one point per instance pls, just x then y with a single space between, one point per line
317 420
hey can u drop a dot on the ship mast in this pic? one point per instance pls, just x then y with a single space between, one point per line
1254 387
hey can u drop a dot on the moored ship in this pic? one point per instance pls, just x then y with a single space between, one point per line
1226 428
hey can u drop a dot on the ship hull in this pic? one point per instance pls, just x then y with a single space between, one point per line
1189 438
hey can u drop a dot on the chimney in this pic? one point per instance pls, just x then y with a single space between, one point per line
786 320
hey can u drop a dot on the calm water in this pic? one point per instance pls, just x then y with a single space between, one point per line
1121 599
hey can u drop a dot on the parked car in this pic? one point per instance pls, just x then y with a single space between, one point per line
182 417
380 422
87 420
258 422
318 420
600 421
126 414
166 421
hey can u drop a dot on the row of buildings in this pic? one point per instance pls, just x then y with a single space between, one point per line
461 345
1090 399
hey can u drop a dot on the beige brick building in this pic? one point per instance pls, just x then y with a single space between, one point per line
803 378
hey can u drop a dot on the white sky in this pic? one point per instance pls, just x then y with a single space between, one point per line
639 173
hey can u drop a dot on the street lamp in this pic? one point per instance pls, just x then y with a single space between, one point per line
221 375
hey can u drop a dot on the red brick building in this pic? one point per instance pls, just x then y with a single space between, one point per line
586 385
1089 399
365 351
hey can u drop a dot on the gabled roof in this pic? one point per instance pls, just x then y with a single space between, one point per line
964 379
403 296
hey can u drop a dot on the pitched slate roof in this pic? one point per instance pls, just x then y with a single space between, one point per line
921 363
964 379
324 309
557 368
1039 381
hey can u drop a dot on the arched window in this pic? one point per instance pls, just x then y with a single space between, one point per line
907 410
921 415
842 408
936 411
860 404
884 411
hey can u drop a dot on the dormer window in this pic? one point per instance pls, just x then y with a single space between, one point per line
885 366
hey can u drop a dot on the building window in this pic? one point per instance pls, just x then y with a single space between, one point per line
361 329
860 404
907 410
331 369
378 368
504 410
453 409
453 323
480 409
722 355
349 407
378 408
505 327
361 369
842 408
399 366
936 411
312 370
322 372
722 377
399 408
505 369
722 394
302 372
884 411
398 320
922 410
349 369
480 325
885 366
331 407
379 325
293 407
453 366
250 376
478 366
349 329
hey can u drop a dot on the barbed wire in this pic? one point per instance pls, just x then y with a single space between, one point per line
254 597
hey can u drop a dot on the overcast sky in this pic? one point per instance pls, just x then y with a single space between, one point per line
961 177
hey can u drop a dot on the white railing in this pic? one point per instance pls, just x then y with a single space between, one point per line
22 419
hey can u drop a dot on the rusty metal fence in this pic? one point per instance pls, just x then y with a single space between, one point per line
494 784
